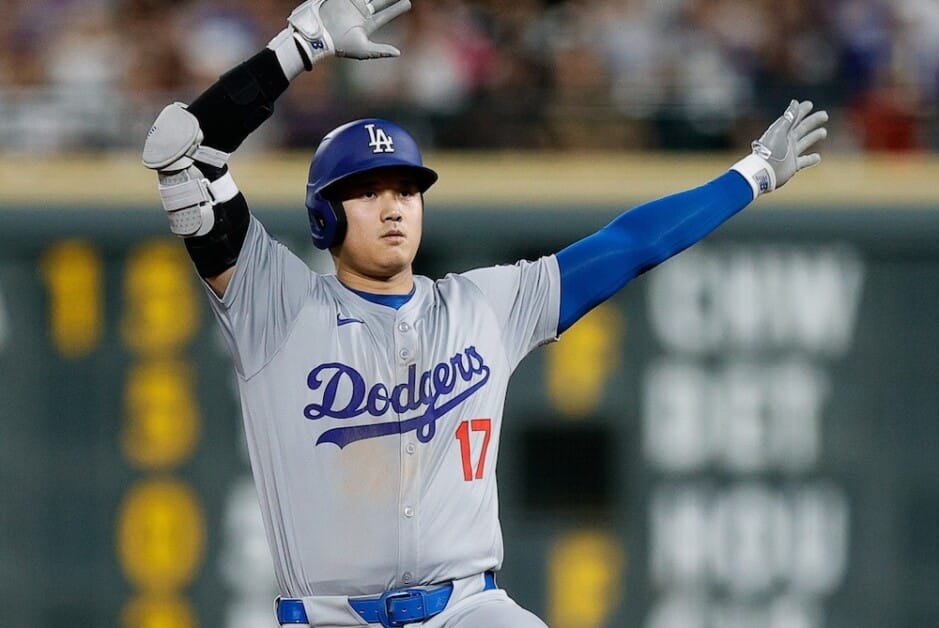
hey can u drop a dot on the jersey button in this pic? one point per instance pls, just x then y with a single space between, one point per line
404 354
407 577
408 512
410 448
402 326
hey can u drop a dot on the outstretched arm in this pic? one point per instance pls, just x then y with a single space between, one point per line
189 146
595 268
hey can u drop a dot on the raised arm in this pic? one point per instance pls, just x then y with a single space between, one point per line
595 268
189 146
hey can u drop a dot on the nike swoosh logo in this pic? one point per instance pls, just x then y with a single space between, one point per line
340 321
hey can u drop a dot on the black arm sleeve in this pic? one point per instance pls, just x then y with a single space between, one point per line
218 250
240 101
228 111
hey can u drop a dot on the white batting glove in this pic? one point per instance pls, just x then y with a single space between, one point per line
780 152
342 28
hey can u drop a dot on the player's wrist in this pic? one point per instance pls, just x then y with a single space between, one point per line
304 42
310 34
287 50
295 53
758 172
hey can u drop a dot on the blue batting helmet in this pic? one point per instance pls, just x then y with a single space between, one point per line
348 150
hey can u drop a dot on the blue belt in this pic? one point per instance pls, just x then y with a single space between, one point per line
391 609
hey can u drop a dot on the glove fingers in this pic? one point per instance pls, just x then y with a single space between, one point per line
811 123
394 9
802 110
379 5
780 128
362 6
806 142
377 51
368 50
807 161
789 115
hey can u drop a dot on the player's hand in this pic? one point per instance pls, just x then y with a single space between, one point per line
785 142
344 27
783 148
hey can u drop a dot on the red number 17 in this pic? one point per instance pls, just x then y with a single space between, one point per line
463 435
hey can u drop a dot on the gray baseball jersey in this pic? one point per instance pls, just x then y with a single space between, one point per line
373 431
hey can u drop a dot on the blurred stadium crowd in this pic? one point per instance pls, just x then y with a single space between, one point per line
490 74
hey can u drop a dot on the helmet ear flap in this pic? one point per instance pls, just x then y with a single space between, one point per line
327 220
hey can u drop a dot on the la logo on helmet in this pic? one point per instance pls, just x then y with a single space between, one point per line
380 141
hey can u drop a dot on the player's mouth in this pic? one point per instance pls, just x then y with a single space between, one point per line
394 236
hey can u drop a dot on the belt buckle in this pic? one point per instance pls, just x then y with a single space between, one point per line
384 608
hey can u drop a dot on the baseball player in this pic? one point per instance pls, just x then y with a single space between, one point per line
373 397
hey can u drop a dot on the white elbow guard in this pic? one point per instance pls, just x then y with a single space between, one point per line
173 145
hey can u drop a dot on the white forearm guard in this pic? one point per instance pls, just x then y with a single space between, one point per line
173 144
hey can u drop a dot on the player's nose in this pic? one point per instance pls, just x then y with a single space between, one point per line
390 204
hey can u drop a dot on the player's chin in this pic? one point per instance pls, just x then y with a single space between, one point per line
398 245
394 259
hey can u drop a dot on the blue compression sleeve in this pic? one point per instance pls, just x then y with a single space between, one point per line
594 268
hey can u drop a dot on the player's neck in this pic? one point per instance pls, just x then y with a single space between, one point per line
399 283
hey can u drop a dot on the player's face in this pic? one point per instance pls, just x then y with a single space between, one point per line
384 212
